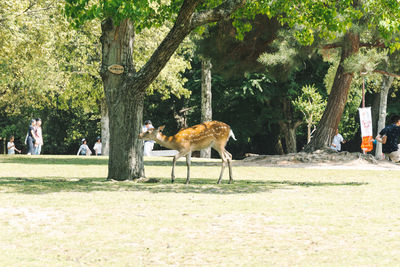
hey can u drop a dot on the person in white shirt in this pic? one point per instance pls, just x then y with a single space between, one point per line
11 147
148 145
97 146
337 141
84 150
38 137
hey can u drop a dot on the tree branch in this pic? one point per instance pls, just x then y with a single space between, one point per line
297 124
334 45
377 44
368 45
186 21
387 73
221 12
29 10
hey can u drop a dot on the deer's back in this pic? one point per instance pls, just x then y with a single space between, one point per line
203 134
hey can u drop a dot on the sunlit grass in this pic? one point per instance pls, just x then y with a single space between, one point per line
61 211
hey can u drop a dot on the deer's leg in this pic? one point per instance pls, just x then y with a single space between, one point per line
229 159
223 157
176 157
222 172
188 161
228 155
173 169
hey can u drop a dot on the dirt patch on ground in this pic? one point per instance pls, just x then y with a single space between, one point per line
324 159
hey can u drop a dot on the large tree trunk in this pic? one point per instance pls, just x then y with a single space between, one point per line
125 92
386 84
289 126
105 128
125 106
376 99
337 98
206 108
289 133
279 146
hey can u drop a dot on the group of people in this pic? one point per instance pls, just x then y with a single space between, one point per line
34 137
388 136
84 149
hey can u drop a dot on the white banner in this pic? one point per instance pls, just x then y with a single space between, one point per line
365 121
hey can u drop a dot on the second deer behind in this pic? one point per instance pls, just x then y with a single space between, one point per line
213 134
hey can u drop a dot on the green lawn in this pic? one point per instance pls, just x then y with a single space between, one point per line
61 211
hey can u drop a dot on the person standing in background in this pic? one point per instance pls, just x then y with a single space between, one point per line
84 149
97 146
337 141
390 137
31 138
148 145
11 147
38 137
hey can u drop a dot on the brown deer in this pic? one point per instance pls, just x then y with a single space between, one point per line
213 134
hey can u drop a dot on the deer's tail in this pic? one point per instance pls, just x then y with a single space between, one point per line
231 134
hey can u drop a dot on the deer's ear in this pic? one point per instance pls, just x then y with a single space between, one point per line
161 128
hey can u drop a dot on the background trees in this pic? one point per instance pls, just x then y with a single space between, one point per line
50 70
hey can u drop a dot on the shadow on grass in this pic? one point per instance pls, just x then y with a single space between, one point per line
201 186
57 161
96 161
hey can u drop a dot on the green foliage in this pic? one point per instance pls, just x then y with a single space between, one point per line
327 19
48 70
349 123
170 80
145 13
284 56
365 61
231 58
311 104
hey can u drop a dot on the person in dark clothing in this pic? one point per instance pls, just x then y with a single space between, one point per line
31 138
390 137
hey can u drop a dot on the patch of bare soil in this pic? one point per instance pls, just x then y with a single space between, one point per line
323 159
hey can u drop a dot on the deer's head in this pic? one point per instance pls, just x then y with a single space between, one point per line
151 134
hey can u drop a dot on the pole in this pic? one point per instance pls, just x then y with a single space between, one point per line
363 93
363 102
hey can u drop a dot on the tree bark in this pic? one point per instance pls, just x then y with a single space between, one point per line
125 106
289 133
309 125
289 126
206 96
337 98
376 99
279 147
105 128
386 84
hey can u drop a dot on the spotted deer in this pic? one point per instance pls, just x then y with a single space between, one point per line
213 134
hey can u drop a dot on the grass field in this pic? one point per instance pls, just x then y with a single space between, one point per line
61 211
